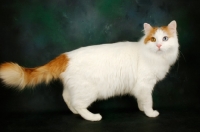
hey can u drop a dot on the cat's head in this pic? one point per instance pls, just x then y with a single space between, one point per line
161 39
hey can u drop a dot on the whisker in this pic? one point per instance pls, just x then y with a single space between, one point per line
177 66
182 55
179 61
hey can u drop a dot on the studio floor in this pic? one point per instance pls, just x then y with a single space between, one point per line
174 120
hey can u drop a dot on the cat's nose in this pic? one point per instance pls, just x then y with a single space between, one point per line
159 45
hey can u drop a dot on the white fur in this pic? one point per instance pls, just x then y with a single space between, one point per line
13 76
103 71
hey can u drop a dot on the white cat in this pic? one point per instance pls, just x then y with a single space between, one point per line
103 71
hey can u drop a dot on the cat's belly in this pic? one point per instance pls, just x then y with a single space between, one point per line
103 83
115 88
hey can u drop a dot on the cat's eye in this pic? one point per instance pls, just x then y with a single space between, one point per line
153 39
165 38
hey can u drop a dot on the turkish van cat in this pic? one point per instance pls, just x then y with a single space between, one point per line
102 71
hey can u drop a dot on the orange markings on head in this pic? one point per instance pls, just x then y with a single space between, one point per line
153 31
166 30
150 34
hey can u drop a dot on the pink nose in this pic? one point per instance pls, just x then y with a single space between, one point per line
159 45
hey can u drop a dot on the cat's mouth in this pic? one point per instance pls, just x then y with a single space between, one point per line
159 50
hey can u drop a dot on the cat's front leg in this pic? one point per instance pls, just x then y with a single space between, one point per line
143 93
146 104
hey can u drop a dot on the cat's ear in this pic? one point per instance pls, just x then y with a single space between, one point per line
147 28
172 26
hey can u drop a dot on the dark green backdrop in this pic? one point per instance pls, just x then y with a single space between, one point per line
35 31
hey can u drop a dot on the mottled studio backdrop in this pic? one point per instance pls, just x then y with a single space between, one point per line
32 32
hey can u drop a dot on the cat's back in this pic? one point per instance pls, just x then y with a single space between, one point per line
104 50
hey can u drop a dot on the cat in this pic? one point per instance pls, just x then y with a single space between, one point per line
102 71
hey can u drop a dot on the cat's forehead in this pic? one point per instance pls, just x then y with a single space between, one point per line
156 32
160 33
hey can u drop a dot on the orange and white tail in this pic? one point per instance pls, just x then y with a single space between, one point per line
16 76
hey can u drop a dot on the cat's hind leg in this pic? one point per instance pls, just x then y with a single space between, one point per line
66 98
82 95
86 114
81 102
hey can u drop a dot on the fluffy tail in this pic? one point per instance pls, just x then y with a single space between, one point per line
14 75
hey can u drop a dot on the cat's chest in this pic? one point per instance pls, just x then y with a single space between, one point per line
160 71
153 69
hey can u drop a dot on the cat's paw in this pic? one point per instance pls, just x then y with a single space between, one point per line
97 117
153 113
